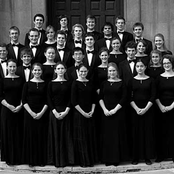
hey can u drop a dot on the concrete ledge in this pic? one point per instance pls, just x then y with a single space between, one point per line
123 168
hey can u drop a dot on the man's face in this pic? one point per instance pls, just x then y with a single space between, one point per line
138 31
14 35
107 30
90 23
120 24
89 41
38 23
61 39
33 37
3 52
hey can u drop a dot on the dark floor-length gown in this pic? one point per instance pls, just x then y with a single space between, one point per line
11 123
165 124
60 145
143 91
114 140
35 130
83 94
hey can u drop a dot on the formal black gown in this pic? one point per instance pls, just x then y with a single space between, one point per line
142 92
60 144
114 139
83 94
165 134
154 71
48 73
35 131
117 58
11 123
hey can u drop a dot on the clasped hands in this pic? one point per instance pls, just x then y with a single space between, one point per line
13 108
111 112
60 115
166 108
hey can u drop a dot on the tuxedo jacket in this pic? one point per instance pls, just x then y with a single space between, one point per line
71 44
149 46
42 39
20 72
102 43
94 63
67 57
1 72
126 38
125 72
71 73
11 53
39 56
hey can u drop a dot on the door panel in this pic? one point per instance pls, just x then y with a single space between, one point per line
77 10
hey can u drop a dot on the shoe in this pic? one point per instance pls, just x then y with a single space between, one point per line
148 162
135 162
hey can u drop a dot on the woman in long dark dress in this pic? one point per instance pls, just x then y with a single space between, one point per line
83 98
116 55
112 96
60 145
34 99
143 94
165 102
48 66
155 67
11 116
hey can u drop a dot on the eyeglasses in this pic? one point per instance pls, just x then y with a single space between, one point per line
167 63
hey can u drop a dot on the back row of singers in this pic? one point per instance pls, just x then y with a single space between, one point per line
39 40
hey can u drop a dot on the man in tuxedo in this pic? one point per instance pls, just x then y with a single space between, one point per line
78 56
91 58
138 29
3 60
63 53
38 50
124 36
38 24
78 37
90 24
14 47
24 70
127 67
108 35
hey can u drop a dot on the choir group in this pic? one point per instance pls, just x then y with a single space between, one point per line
82 97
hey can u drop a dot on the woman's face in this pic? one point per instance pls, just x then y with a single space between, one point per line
83 71
112 72
104 56
155 58
51 34
37 71
50 54
167 65
11 67
60 70
159 42
116 44
141 47
140 68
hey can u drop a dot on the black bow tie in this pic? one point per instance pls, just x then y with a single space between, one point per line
34 46
130 61
78 41
108 39
120 32
61 49
137 40
88 52
15 45
3 61
27 67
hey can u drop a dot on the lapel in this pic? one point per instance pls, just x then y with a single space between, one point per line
1 71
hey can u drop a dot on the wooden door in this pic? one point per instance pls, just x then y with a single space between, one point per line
77 10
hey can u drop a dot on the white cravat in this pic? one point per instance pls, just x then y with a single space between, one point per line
4 68
108 42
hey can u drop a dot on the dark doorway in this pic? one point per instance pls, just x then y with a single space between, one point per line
77 10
